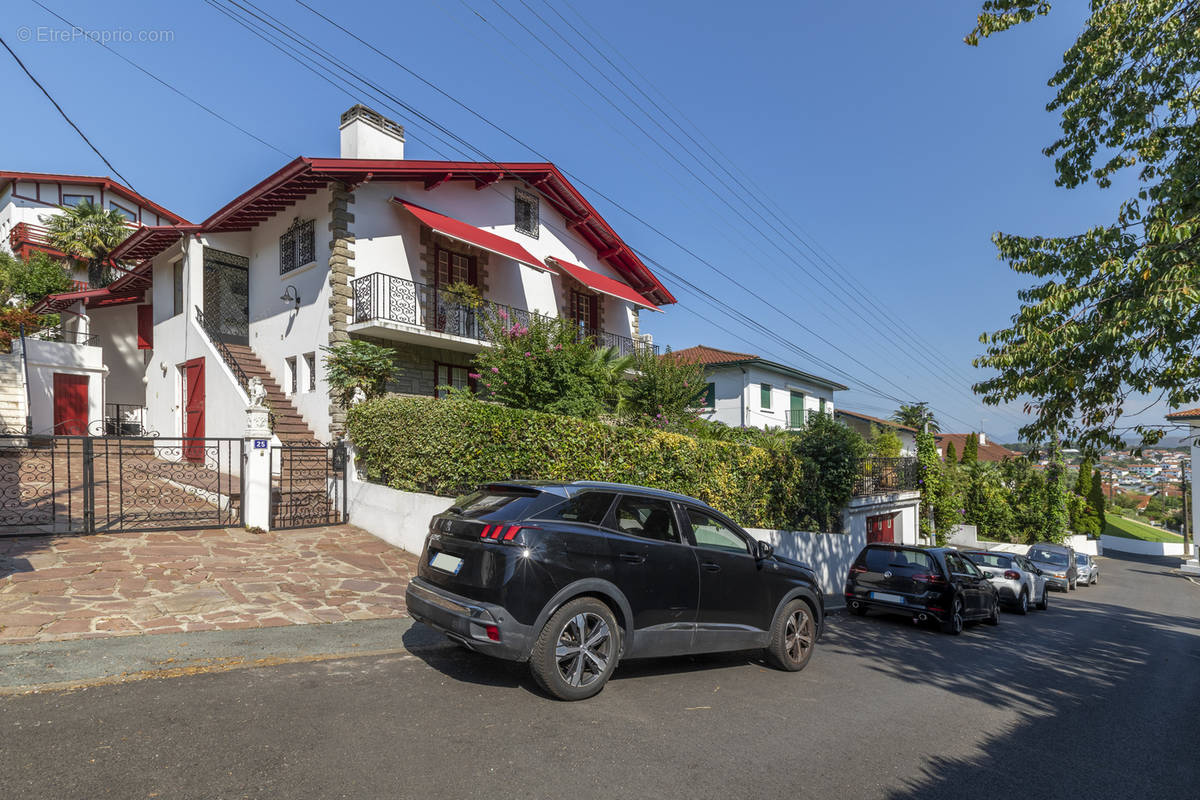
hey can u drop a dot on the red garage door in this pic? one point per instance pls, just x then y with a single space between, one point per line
70 404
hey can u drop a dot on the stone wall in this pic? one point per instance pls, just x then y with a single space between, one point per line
341 253
415 365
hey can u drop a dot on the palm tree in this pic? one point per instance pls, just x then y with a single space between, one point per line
87 233
917 415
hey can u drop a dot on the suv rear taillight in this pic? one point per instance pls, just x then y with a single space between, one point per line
501 532
1011 575
927 577
858 568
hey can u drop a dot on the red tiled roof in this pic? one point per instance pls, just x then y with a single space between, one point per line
987 452
1190 413
711 355
104 182
304 176
889 423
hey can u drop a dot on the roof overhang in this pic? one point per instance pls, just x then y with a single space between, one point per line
602 283
92 298
782 369
105 183
464 232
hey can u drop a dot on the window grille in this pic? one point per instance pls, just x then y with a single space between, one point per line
297 246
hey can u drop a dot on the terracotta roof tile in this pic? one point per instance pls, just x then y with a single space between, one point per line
1189 413
987 452
889 423
711 355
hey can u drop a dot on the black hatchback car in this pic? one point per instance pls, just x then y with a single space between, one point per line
926 583
573 577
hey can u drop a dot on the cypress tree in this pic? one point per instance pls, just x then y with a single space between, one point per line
1083 484
1096 499
971 449
951 453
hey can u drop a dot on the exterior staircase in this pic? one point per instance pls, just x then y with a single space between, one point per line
12 392
286 422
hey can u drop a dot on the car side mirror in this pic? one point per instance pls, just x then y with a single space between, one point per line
763 551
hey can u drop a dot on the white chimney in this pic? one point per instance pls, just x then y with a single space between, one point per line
368 134
982 437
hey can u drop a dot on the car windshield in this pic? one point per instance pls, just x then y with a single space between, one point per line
991 560
1049 557
1081 559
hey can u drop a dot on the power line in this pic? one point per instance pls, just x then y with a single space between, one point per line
317 50
59 108
159 80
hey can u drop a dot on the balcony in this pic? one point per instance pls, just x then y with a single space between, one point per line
397 308
25 237
887 475
64 335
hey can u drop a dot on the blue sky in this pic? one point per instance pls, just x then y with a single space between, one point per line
894 147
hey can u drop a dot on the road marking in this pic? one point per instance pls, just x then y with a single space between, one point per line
201 667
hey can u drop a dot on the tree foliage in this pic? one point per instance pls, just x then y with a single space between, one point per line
1096 496
1115 308
24 282
885 443
951 453
546 366
830 456
666 390
358 365
970 454
916 416
87 233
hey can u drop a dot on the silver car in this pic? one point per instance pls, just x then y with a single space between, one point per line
1088 568
1016 580
1058 562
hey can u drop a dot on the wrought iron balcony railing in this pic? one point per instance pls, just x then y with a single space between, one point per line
60 334
883 475
379 296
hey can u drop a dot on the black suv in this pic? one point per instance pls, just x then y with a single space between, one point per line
573 577
925 583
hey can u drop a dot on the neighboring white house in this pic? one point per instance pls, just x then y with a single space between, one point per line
77 382
746 391
361 246
866 425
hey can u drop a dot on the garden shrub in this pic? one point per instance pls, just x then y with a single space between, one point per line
450 446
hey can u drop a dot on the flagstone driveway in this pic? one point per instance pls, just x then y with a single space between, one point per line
73 587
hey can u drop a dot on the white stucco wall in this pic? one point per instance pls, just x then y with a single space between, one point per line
739 396
387 240
829 554
116 333
1122 545
44 359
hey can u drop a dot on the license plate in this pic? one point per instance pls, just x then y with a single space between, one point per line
446 563
887 598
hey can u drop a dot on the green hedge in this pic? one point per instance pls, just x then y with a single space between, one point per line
449 446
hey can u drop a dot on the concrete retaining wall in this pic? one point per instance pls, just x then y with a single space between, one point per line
829 554
399 518
1122 545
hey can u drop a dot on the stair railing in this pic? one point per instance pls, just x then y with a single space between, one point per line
214 336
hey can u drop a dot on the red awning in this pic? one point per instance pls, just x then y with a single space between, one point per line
456 229
603 283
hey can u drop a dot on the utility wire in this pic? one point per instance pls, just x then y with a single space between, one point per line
324 54
59 108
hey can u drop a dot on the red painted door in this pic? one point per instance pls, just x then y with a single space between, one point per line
70 404
881 528
193 408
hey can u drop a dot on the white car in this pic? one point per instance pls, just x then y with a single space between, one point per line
1088 568
1017 581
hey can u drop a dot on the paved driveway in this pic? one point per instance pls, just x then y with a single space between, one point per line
71 587
1105 686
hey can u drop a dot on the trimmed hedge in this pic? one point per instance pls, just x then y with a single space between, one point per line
450 446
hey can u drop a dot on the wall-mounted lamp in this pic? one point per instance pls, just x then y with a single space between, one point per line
290 295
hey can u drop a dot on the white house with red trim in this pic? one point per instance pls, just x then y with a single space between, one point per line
65 379
361 246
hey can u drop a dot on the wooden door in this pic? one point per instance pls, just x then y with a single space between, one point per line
70 404
881 528
193 408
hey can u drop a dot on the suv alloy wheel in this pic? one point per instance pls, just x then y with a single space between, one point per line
792 637
577 650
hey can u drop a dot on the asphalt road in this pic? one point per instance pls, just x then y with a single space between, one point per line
1097 697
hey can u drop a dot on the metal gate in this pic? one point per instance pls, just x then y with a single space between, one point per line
308 485
86 484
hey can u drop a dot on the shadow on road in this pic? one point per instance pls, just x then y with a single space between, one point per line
1067 672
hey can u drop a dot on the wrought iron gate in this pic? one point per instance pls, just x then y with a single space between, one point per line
308 485
86 484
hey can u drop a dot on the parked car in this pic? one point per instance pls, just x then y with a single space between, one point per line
925 583
1058 562
574 577
1018 582
1088 568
